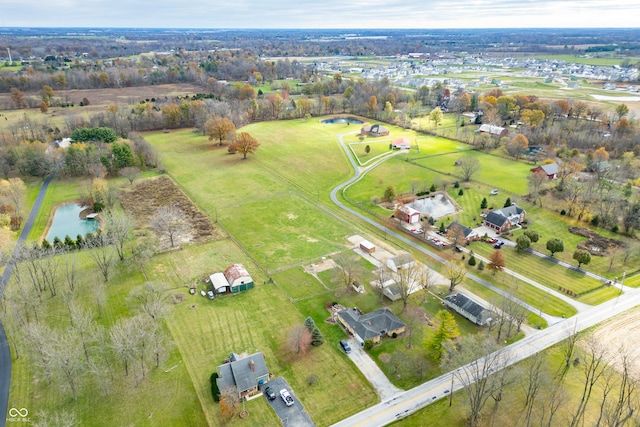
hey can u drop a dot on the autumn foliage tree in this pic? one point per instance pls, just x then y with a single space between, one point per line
446 328
219 128
245 144
517 145
496 261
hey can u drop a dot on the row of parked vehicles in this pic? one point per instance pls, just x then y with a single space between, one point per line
284 394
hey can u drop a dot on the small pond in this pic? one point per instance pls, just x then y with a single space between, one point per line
436 206
342 120
67 222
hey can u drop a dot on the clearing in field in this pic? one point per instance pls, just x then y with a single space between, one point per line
146 196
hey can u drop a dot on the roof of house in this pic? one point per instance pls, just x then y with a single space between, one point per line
402 259
401 141
496 218
494 130
218 281
408 210
510 210
373 324
466 230
465 304
242 372
375 128
550 168
235 272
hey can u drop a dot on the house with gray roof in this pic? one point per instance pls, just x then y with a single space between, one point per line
468 308
243 371
403 260
468 233
371 326
550 169
505 219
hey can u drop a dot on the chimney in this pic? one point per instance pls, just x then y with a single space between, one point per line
253 365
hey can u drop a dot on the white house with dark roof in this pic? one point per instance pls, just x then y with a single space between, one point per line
243 371
371 326
497 131
468 308
468 233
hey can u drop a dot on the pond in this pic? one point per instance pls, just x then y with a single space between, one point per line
436 206
342 120
67 222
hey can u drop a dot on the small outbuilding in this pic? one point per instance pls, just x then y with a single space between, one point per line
404 260
238 278
401 143
367 246
374 130
407 214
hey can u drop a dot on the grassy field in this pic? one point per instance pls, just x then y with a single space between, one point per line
275 210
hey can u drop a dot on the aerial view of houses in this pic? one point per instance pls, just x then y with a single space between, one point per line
319 228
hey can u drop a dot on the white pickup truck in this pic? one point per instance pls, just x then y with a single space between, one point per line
288 400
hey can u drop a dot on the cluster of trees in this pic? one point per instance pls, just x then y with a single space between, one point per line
607 393
98 134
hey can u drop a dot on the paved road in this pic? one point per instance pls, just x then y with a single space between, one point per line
418 397
5 351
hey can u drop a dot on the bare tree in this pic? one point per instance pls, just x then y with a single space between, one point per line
102 252
469 166
119 226
408 281
65 354
455 273
299 339
479 359
84 327
568 350
143 250
383 275
57 418
349 268
536 181
170 222
626 401
130 172
596 360
531 380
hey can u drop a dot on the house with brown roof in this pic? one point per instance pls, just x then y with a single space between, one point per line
371 326
238 277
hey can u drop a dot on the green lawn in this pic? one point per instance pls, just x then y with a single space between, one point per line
297 283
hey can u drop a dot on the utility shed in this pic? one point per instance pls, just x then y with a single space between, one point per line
367 246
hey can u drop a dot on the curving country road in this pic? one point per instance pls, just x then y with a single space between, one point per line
5 350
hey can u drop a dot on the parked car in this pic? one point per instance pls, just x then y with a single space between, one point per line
345 346
288 400
498 244
268 391
494 192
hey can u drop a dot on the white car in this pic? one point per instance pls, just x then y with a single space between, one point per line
494 192
288 400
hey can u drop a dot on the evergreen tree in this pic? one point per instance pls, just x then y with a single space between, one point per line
483 204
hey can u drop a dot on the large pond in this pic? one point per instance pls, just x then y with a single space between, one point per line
342 120
436 206
67 222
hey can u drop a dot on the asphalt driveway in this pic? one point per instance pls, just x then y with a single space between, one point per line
291 416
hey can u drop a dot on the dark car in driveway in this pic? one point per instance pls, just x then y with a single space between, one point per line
268 391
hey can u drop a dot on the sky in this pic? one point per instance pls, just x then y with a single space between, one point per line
372 14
